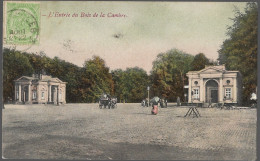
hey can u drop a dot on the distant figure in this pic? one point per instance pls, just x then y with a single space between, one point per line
253 96
113 102
253 100
165 101
161 103
178 101
155 108
143 103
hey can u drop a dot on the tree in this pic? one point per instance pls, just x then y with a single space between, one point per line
239 51
168 74
95 79
131 84
61 69
38 62
199 62
15 65
84 84
71 76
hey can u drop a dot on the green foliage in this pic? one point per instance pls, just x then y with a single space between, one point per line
61 69
84 84
239 51
130 85
95 79
15 65
199 62
87 83
168 74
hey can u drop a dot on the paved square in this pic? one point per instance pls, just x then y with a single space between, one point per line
83 131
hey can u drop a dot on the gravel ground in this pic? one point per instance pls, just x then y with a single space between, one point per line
83 131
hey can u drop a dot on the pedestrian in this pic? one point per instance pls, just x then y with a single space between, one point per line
161 103
178 101
155 107
143 103
165 101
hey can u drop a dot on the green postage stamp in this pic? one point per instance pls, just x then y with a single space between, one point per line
22 23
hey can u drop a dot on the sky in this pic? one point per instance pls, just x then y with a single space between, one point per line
135 39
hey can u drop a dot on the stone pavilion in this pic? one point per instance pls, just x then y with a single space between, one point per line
214 84
40 89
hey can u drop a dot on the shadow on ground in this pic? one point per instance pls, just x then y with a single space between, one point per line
63 147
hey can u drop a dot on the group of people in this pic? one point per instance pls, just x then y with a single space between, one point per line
162 102
156 101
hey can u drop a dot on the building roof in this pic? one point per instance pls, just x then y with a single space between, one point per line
210 69
40 78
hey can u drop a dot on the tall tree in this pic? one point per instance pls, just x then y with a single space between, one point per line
15 65
168 74
239 51
95 80
199 62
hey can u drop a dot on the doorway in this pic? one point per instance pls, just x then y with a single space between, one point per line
214 95
25 94
212 91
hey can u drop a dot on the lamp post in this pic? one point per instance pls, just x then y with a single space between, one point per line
148 89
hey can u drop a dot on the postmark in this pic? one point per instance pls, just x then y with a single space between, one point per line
22 23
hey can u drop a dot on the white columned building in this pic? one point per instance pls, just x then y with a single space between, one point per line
40 89
214 84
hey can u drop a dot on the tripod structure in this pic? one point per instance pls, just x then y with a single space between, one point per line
194 111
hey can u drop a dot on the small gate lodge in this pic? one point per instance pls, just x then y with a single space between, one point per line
214 84
40 89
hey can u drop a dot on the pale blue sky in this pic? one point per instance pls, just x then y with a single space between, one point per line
149 29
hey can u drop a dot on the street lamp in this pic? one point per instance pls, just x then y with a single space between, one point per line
148 88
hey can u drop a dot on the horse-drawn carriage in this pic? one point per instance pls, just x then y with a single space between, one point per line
113 102
107 101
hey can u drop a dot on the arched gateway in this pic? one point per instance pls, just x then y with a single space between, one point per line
211 89
214 84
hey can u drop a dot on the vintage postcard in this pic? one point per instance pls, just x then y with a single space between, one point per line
124 80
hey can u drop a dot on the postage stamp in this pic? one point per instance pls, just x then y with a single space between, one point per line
22 23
